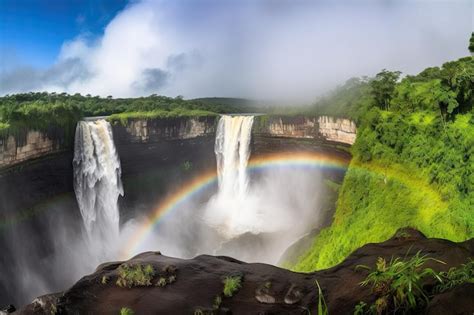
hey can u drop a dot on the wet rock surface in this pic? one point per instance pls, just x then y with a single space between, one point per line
265 289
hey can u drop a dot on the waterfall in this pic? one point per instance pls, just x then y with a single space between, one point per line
232 149
97 182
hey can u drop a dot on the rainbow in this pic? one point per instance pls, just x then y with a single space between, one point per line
311 160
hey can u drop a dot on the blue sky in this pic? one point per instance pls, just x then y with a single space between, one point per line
281 49
33 31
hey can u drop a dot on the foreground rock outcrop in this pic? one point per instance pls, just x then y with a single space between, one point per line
196 286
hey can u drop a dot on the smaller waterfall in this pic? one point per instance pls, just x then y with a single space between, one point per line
232 148
228 210
97 182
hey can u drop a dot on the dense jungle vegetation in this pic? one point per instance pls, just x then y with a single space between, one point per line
413 160
44 110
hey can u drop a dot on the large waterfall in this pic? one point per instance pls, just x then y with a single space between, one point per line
232 153
227 211
97 180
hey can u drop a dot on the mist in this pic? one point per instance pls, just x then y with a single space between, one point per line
277 50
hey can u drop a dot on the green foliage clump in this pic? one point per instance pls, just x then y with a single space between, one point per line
132 275
126 311
456 276
104 280
4 126
383 87
398 284
161 282
232 285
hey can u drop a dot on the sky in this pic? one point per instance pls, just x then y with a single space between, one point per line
265 49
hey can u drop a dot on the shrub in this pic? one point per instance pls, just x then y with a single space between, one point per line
398 284
135 275
232 285
456 276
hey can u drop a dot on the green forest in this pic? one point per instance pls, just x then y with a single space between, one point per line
412 161
42 110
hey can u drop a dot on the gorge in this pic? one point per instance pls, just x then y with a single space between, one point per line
155 158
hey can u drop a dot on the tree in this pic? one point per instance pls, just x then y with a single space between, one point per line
383 87
471 43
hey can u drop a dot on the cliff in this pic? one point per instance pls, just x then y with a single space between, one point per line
196 286
155 130
323 128
33 144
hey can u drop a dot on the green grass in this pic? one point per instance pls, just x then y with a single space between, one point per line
322 306
377 199
135 275
159 113
232 285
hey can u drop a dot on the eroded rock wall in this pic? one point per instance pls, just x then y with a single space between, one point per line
337 129
32 144
35 144
323 128
155 130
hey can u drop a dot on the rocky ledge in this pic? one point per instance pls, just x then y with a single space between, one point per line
222 285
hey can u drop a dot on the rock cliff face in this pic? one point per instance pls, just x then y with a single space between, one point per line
337 129
32 144
36 144
154 130
323 128
197 285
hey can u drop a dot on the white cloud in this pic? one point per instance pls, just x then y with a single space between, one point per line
260 49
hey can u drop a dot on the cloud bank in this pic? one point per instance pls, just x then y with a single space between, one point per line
257 49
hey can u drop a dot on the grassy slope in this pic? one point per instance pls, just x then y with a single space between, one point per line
382 195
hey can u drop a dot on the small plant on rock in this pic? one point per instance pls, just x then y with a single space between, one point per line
135 275
126 311
104 280
171 279
398 284
161 282
217 302
232 285
456 276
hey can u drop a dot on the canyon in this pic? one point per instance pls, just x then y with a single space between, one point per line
157 156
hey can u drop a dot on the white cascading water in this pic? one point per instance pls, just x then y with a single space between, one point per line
232 148
97 182
228 210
